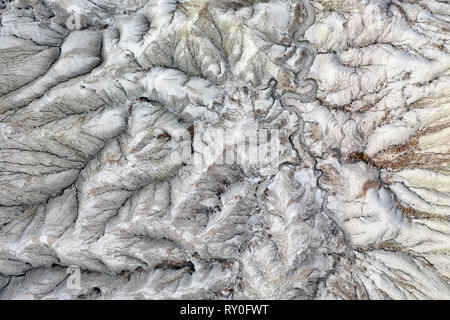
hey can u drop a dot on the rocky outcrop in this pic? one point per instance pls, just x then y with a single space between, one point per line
226 149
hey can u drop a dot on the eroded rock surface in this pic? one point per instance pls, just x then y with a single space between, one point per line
94 94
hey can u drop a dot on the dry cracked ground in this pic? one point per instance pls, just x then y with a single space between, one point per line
92 93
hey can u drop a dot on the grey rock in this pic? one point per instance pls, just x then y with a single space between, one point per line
96 100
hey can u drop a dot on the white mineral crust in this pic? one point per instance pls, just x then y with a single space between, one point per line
95 93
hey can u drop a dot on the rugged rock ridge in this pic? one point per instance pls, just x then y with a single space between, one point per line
94 94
